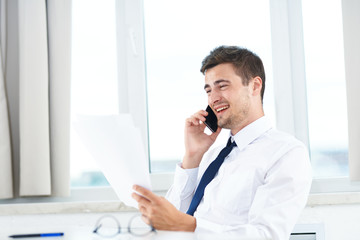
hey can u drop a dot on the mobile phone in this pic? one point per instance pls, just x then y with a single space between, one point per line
211 120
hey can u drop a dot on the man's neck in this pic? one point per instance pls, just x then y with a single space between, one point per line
246 122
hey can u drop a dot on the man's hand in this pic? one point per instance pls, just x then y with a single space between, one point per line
197 142
160 213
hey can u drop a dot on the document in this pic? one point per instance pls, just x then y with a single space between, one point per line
117 147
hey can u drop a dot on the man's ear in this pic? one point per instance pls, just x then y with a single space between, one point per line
256 86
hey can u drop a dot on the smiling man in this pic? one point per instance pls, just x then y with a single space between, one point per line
257 184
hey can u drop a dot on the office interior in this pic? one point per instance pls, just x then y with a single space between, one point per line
63 59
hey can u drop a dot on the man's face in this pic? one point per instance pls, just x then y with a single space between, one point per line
227 96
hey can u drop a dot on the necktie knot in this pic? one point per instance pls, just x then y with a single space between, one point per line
229 142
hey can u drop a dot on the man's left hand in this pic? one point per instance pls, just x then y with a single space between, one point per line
160 213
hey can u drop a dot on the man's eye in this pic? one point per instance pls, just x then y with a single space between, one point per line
222 86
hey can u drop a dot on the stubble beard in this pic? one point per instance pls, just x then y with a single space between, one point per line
235 119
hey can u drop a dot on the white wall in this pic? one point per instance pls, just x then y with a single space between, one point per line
341 222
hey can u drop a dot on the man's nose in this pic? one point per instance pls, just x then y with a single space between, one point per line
214 97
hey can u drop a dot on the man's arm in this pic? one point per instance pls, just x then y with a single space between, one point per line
186 174
160 213
183 188
197 142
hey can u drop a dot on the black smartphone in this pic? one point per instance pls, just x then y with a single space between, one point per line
211 120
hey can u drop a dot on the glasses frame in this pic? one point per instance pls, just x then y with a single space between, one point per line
98 226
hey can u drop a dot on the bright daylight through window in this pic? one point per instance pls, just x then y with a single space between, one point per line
175 47
94 78
326 90
175 44
173 58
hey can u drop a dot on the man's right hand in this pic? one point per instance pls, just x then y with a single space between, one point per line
197 142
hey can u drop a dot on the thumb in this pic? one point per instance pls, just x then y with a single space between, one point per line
214 135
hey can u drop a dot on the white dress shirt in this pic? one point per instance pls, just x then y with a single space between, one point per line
259 191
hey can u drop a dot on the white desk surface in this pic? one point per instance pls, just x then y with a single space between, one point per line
77 234
80 227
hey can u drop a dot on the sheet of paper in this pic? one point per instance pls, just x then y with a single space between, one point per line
117 147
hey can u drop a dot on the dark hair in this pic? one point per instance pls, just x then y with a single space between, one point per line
246 63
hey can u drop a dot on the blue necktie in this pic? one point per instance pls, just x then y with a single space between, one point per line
208 176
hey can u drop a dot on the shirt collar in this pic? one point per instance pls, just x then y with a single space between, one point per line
251 132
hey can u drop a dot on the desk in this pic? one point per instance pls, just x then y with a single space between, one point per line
80 227
84 234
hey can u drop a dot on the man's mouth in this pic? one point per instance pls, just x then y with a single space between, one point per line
220 109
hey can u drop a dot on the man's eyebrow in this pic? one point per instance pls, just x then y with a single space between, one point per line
217 82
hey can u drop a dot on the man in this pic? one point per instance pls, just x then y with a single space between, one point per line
260 187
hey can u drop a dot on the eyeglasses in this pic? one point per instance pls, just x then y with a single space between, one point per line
109 226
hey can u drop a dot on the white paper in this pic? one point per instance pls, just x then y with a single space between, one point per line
117 147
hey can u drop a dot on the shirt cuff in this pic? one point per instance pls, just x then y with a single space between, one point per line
185 180
207 227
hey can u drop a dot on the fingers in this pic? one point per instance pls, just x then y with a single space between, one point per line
146 220
196 118
150 196
144 212
141 200
143 204
146 206
200 115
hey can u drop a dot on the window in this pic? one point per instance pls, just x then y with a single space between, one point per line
94 78
177 38
175 84
113 49
326 90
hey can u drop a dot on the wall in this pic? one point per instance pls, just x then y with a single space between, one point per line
341 221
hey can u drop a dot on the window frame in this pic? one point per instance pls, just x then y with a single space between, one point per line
351 32
286 24
132 87
288 63
286 27
132 76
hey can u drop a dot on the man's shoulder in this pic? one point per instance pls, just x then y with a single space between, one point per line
280 137
283 149
278 143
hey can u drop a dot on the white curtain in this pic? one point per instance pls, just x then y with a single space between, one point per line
6 190
38 92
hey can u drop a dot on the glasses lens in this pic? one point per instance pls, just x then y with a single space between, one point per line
107 226
138 226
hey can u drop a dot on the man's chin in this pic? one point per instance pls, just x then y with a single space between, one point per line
224 125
